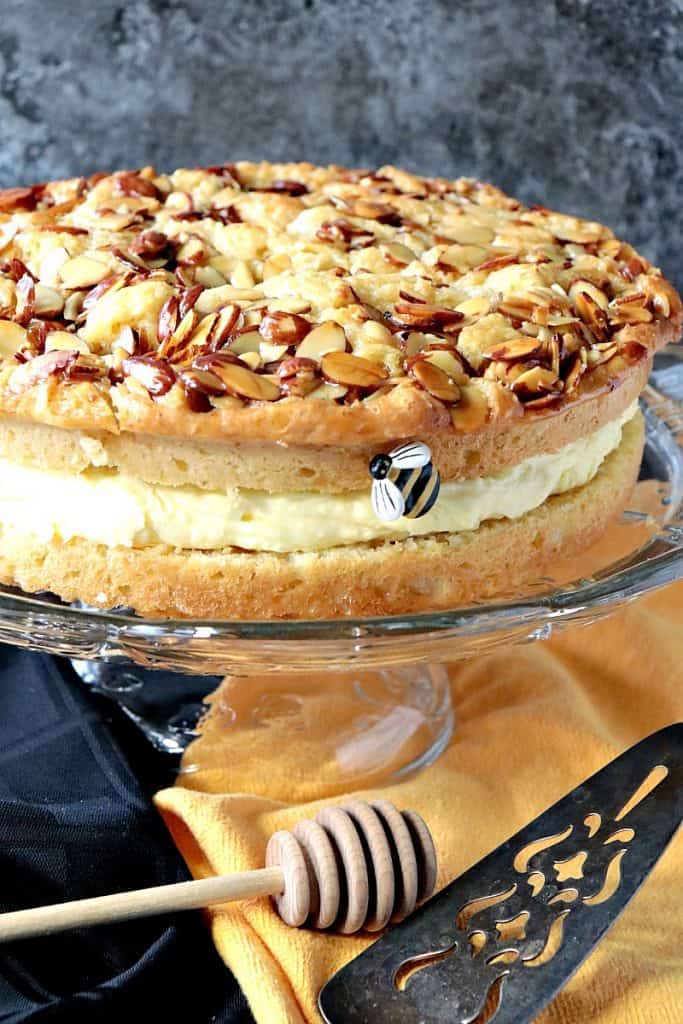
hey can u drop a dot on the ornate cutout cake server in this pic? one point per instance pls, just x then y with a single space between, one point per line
500 941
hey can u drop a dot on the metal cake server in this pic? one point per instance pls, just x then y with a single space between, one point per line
500 941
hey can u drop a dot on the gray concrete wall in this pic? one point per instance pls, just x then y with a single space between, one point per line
573 103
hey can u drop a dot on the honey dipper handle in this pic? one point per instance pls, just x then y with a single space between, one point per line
121 906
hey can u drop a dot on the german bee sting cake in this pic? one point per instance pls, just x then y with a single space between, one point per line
269 390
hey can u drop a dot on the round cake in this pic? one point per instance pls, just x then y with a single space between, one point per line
260 391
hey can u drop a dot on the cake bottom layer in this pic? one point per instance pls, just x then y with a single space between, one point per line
382 578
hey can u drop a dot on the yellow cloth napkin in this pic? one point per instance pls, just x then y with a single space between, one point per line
532 722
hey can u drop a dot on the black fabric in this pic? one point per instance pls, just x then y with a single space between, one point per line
76 820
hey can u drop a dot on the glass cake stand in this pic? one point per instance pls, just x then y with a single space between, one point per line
364 699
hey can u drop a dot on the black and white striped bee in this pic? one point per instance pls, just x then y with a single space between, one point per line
404 482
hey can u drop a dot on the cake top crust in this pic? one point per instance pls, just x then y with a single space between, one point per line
315 305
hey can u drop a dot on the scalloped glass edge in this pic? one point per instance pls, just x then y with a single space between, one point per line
244 647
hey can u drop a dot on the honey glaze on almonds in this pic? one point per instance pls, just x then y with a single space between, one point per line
253 283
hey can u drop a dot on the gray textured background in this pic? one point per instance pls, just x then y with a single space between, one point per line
574 103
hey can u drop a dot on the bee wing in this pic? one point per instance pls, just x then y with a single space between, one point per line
413 455
387 500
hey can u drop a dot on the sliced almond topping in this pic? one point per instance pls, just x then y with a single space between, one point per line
414 343
327 337
227 320
517 308
26 294
47 302
40 368
424 316
246 341
284 328
536 381
448 361
64 341
628 313
243 382
252 360
177 345
272 353
203 331
109 220
661 302
298 376
19 198
434 380
516 348
397 254
12 337
328 392
153 373
352 371
83 272
472 410
241 276
193 252
588 288
202 380
576 372
592 314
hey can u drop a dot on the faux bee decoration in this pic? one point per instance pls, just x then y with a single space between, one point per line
404 482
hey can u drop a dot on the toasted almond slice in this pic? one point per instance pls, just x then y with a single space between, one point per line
447 361
247 341
47 302
434 380
630 314
202 333
63 341
516 308
153 373
397 254
241 276
472 410
473 308
241 381
352 371
467 231
226 322
38 369
328 392
272 353
661 303
174 347
209 277
588 288
425 316
202 380
535 381
517 348
631 299
12 338
592 314
251 359
414 343
83 272
193 252
73 305
109 220
327 337
576 372
283 328
602 354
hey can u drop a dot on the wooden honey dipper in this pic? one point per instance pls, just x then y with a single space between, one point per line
358 865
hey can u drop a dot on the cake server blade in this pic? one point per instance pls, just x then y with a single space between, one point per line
500 941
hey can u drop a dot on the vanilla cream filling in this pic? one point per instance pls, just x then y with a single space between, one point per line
115 509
